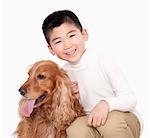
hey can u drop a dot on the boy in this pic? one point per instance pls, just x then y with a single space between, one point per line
104 93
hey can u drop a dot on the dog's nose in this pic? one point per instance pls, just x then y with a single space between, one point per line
22 91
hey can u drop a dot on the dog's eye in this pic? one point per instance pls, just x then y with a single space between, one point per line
41 77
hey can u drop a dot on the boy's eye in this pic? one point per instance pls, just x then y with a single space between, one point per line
72 35
57 42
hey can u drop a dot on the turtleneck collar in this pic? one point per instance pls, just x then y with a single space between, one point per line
82 60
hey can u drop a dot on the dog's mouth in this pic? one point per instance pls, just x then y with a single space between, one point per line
41 98
29 104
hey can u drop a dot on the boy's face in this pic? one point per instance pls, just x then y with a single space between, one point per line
67 42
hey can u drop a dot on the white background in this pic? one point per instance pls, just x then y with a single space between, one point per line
119 26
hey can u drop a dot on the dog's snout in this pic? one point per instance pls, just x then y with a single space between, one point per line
22 91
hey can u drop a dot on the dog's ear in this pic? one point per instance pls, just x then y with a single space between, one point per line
62 90
62 102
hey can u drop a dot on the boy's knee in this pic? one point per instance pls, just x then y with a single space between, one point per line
115 126
79 129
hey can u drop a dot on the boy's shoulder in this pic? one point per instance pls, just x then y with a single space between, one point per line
102 55
106 59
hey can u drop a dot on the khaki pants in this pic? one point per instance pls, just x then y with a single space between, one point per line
118 125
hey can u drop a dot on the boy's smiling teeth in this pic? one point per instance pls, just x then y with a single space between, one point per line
71 52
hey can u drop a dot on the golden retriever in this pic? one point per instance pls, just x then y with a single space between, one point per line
47 106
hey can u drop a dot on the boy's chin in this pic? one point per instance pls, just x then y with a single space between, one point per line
73 60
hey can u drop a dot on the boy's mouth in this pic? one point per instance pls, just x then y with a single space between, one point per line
71 53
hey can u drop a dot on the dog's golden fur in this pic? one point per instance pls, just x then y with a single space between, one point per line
51 116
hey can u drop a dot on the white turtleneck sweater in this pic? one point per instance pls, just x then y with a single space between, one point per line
100 78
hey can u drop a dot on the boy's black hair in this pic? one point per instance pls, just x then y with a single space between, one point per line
56 19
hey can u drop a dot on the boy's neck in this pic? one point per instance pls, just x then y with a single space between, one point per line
77 62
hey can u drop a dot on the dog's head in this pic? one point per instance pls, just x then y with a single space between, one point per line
46 83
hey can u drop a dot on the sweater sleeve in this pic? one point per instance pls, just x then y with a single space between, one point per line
123 99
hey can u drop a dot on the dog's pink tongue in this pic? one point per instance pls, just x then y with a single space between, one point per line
27 108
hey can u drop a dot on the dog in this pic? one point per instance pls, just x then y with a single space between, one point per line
47 106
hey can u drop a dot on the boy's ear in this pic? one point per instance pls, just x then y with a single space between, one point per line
51 50
85 34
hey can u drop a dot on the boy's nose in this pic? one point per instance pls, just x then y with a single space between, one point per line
67 45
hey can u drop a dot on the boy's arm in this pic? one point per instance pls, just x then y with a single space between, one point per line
124 99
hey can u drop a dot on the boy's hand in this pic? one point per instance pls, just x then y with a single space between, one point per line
99 114
75 89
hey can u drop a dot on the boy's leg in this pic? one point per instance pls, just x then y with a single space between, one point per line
120 125
79 129
134 124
